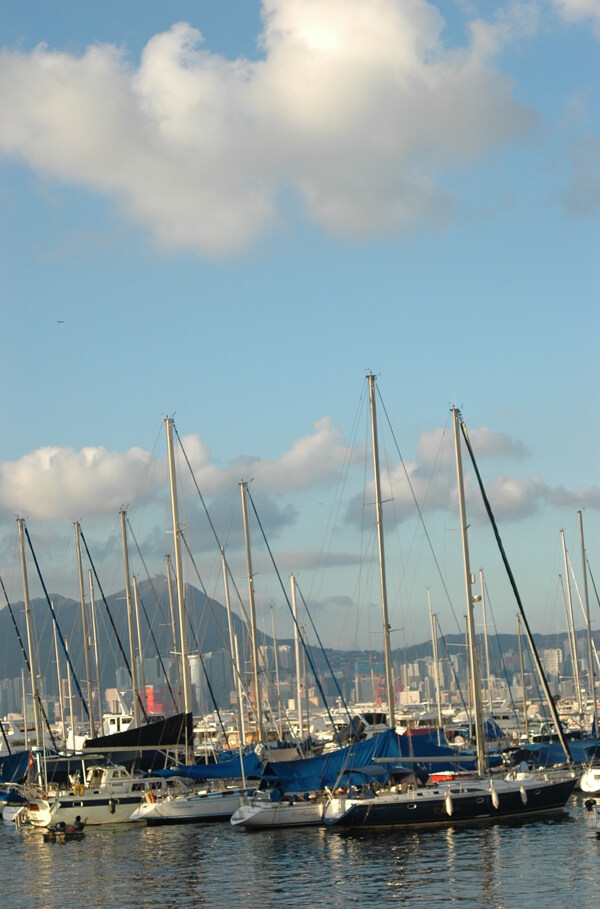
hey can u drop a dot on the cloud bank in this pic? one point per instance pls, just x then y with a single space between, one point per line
53 483
355 111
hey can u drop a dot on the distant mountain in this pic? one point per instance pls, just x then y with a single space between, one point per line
208 631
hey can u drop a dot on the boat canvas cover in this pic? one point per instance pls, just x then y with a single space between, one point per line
174 731
230 769
354 764
13 767
545 754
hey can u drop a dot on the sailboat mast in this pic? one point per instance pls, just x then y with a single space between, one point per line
485 639
253 634
436 666
572 633
60 696
586 602
477 704
136 601
132 656
173 629
30 647
297 659
525 715
389 676
95 633
84 632
185 667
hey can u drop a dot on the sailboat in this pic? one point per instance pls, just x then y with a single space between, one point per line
485 797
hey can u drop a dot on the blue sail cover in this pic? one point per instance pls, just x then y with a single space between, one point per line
227 769
545 754
354 764
13 767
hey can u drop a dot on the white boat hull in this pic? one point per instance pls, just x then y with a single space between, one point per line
590 781
192 808
258 812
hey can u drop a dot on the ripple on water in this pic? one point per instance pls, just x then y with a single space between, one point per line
487 867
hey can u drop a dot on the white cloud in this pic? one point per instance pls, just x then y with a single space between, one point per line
486 444
55 482
579 10
60 482
357 107
432 479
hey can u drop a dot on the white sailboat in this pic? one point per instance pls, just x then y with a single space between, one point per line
179 805
268 809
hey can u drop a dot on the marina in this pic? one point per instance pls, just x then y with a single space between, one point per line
487 866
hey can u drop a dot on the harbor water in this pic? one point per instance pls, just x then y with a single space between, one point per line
554 861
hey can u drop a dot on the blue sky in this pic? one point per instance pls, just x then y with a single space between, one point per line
230 212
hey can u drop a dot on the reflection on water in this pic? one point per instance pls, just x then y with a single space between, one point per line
483 867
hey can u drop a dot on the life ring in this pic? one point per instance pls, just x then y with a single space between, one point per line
150 797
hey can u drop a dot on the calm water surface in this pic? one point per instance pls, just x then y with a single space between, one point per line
551 863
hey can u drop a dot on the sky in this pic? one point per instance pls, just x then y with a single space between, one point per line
230 212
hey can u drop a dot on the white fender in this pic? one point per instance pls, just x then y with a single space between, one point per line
494 794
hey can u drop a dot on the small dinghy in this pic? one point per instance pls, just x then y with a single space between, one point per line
63 833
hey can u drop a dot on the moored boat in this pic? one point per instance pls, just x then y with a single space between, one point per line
108 797
450 803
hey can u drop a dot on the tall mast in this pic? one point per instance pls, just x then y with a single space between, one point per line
235 666
185 666
84 631
30 647
436 668
572 634
139 640
279 710
485 641
525 717
256 686
477 705
297 659
60 697
134 675
173 629
389 675
589 629
95 633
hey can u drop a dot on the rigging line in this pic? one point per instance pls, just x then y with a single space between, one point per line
488 601
335 681
417 506
218 624
148 619
593 582
301 636
154 641
264 666
57 626
112 622
139 552
212 527
28 665
585 617
513 584
454 673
